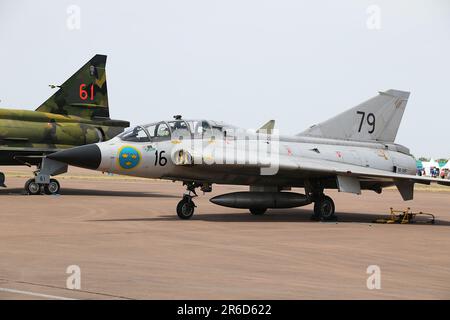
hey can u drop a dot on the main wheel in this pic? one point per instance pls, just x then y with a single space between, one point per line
53 187
31 187
185 208
324 208
258 211
2 180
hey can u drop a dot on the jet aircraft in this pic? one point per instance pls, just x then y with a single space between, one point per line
351 152
76 114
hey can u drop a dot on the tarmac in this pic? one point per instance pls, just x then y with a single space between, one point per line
128 242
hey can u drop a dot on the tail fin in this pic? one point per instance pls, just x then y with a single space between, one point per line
84 94
376 119
267 127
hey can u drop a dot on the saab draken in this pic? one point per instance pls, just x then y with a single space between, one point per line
351 152
76 114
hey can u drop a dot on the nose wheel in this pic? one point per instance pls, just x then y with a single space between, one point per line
186 207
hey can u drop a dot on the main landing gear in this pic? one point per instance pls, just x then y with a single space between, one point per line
323 209
323 205
42 183
257 211
2 180
34 188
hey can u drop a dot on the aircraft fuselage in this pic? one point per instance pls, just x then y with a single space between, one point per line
24 133
157 160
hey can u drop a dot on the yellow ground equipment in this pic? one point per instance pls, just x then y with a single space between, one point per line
405 216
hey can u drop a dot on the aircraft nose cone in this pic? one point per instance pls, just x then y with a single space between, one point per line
88 156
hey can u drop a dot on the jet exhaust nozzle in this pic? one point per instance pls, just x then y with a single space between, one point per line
247 200
88 156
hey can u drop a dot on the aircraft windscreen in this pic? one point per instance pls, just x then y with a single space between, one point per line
177 129
137 134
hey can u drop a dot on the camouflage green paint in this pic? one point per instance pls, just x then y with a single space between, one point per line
65 120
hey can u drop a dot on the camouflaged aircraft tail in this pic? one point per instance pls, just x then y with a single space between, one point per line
84 94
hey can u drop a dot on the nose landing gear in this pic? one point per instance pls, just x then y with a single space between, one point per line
186 207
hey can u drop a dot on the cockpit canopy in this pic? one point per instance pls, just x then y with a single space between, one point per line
177 129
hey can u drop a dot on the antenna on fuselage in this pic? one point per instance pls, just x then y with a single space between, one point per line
177 117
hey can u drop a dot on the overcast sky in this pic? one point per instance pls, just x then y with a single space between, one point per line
242 62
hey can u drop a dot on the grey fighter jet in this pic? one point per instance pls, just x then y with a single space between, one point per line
351 152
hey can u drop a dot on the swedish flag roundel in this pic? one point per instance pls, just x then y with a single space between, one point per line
129 157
